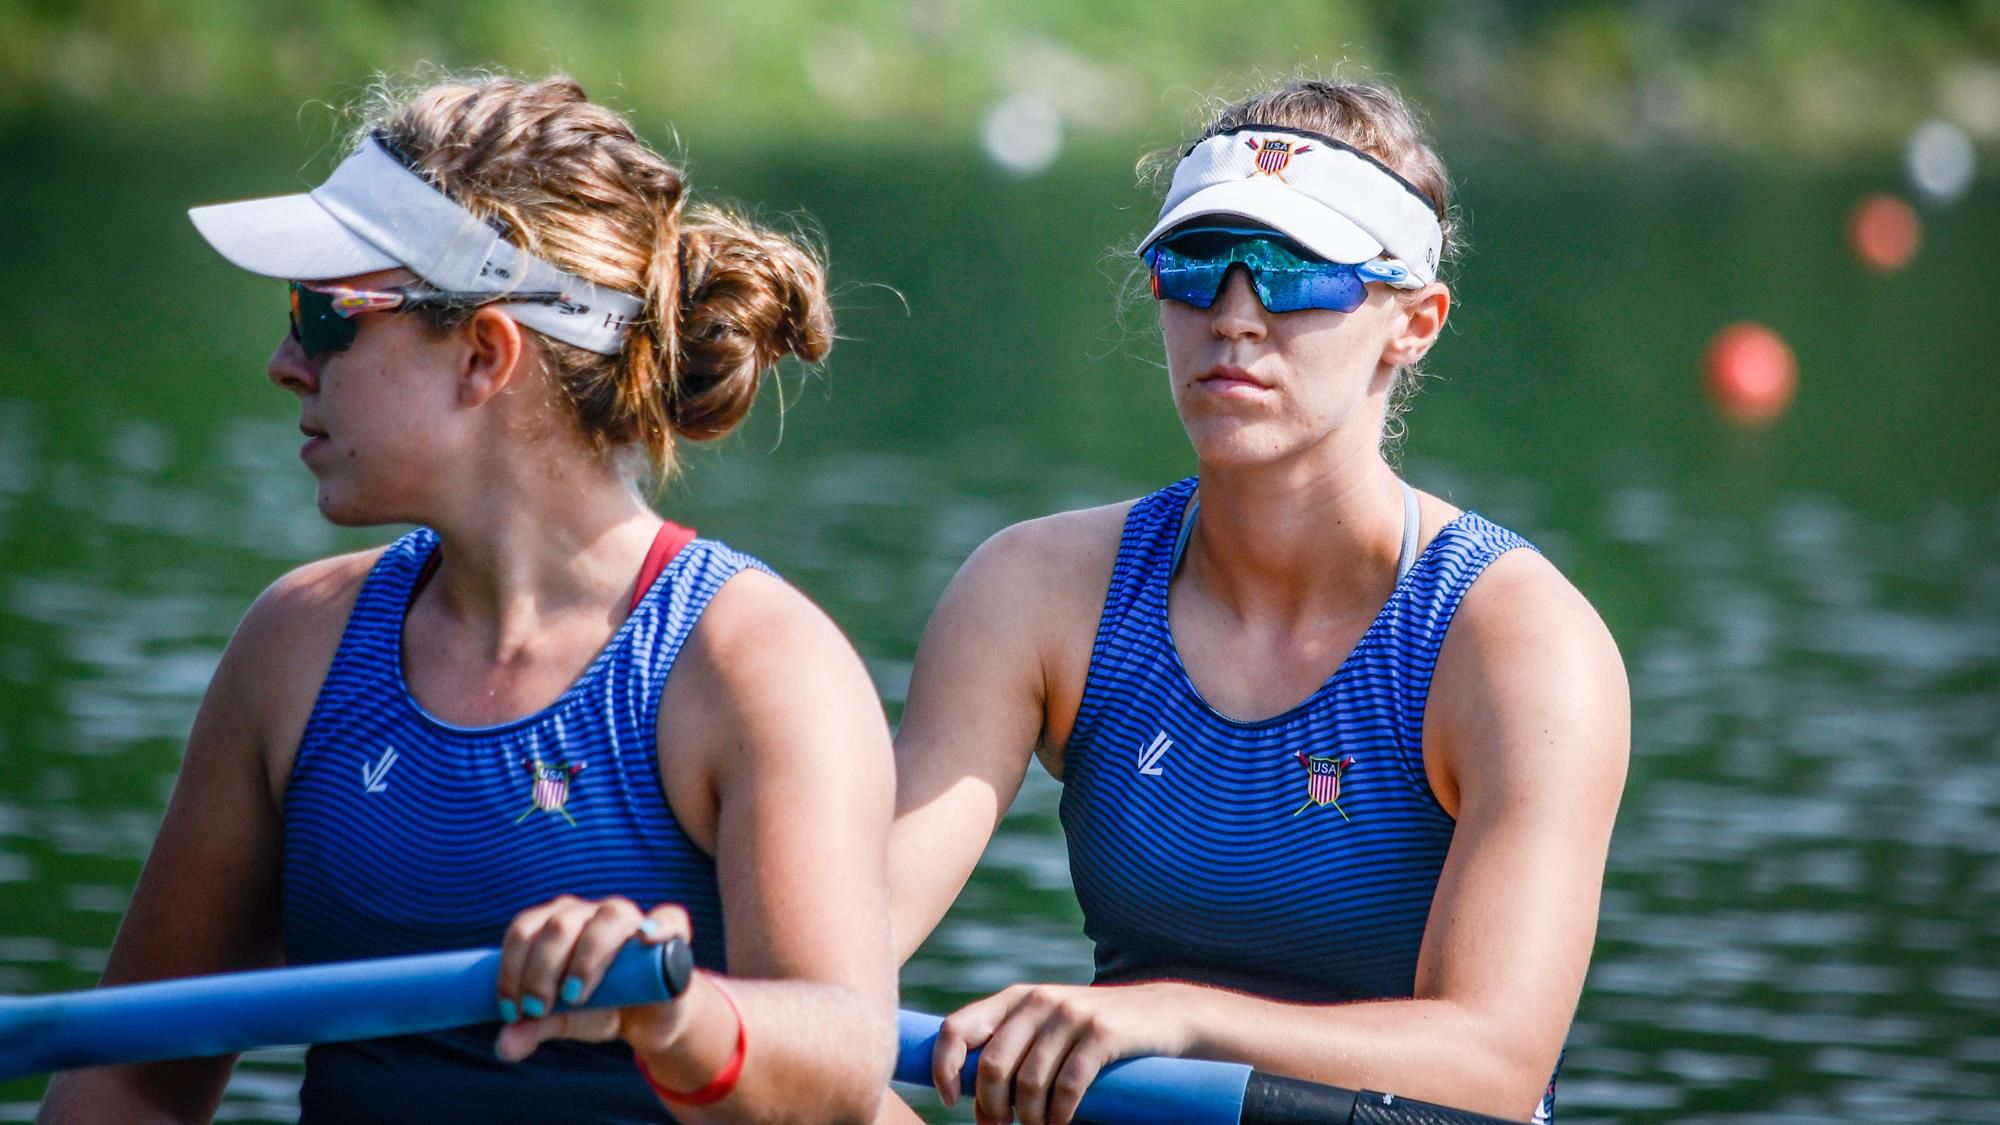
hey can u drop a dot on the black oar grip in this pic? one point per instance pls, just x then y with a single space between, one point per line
676 965
1273 1100
1371 1108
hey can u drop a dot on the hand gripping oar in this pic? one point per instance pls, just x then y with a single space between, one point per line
1168 1091
230 1012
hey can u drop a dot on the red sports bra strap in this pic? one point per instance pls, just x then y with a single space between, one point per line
666 544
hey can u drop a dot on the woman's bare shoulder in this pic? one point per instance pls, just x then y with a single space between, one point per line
1529 683
1026 606
1521 599
307 602
759 629
279 656
1058 559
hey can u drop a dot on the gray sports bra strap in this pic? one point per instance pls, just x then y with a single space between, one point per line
1412 528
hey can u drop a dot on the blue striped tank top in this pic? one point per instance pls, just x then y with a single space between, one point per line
1294 856
406 834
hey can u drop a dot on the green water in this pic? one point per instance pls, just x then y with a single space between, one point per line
1802 918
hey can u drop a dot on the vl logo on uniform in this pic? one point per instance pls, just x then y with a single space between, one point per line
375 778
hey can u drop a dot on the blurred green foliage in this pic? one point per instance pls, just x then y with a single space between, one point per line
1779 76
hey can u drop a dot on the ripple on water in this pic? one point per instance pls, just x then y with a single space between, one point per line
16 869
265 1086
1621 1095
30 950
272 513
20 434
133 660
1844 978
120 833
1639 515
1713 1068
96 898
1978 986
139 445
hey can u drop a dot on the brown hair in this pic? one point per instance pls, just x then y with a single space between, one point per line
570 182
1376 120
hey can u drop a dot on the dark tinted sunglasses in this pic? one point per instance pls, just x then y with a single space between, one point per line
323 316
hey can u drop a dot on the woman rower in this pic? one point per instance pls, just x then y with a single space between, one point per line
545 691
1340 761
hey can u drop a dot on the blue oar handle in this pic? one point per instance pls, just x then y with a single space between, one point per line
1166 1091
230 1012
1186 1091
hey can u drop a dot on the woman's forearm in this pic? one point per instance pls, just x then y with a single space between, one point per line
179 1092
1395 1046
893 1110
799 1036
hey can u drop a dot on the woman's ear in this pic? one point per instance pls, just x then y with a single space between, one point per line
495 352
1417 324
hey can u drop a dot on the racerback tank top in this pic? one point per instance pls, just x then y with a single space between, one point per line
406 834
1294 856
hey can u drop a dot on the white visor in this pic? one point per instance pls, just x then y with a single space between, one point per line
374 213
1340 203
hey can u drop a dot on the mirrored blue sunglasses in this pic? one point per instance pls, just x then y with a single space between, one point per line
1190 266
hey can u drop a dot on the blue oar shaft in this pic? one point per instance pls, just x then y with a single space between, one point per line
230 1012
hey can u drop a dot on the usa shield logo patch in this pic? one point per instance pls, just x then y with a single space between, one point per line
551 791
1274 153
1323 774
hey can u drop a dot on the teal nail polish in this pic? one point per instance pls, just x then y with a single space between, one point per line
533 1006
508 1012
572 990
650 928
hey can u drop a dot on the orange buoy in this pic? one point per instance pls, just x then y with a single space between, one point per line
1884 232
1751 372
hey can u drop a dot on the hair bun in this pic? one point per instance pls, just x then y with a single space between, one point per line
749 297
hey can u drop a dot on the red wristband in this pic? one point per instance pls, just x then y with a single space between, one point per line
724 1081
